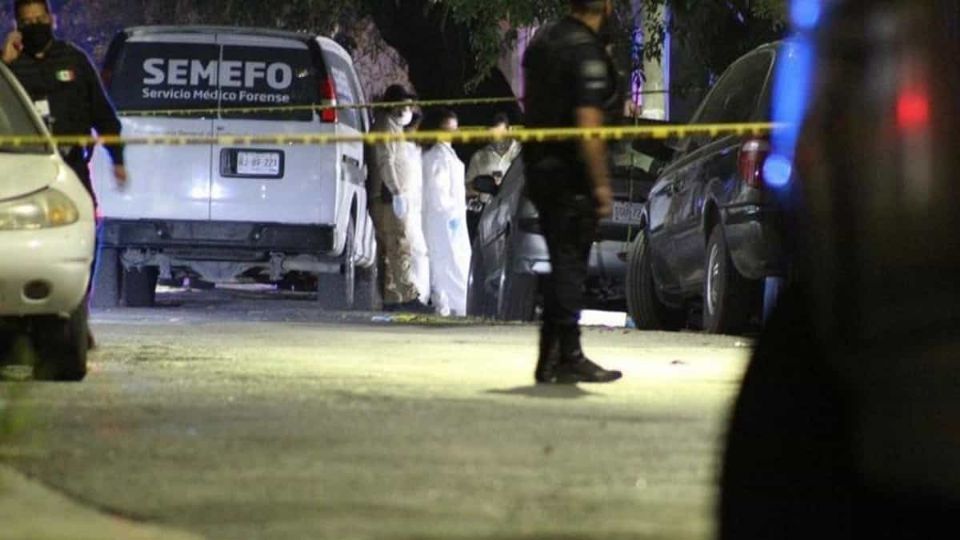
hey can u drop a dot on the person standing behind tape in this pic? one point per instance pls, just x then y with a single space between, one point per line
390 205
65 89
570 81
420 262
493 160
63 85
445 211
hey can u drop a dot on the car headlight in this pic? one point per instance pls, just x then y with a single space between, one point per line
43 210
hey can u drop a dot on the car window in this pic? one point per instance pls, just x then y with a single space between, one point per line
736 95
264 77
347 91
244 82
16 120
158 77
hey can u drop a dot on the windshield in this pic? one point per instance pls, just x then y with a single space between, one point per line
16 121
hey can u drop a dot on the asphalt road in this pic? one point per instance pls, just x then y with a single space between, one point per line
239 415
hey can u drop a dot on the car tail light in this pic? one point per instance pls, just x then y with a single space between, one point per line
913 110
750 162
328 101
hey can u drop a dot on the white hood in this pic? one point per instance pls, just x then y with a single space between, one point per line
22 174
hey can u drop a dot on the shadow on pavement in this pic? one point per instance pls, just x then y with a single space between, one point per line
546 391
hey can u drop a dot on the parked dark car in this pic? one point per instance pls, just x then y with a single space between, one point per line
510 252
712 231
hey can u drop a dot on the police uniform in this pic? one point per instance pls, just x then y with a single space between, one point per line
64 83
566 68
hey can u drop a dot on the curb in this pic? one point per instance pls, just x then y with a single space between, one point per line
31 511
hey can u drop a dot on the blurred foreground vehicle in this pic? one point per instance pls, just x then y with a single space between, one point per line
712 231
47 234
846 425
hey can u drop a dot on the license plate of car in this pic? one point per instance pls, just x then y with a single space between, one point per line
628 213
258 163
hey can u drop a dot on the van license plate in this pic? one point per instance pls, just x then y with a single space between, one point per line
258 163
628 213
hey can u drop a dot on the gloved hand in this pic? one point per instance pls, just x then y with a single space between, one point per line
400 207
454 225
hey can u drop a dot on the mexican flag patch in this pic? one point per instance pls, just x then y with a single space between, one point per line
66 75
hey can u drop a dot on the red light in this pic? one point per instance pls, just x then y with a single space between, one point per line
328 96
913 110
753 155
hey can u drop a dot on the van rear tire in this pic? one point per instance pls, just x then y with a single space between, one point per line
106 279
337 292
140 286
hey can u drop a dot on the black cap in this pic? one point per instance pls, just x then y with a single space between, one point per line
396 92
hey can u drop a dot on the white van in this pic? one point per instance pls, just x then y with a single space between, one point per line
222 213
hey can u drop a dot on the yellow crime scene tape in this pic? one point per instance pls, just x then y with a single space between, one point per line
320 107
266 109
526 135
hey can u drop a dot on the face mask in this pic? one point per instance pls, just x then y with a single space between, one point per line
502 147
36 37
406 117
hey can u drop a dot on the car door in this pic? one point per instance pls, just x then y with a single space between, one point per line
163 84
735 99
497 219
661 223
267 87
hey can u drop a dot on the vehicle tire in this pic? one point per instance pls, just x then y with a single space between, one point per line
479 302
728 297
106 279
366 296
337 291
643 304
517 297
61 346
140 286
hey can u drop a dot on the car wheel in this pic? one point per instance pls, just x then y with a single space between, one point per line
643 304
140 286
517 298
106 279
479 301
61 346
337 291
728 297
367 290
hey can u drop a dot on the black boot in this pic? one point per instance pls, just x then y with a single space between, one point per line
546 372
575 368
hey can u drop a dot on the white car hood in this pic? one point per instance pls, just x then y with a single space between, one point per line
24 174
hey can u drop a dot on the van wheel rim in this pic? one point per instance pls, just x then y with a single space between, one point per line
713 277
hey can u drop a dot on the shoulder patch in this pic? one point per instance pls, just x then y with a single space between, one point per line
594 69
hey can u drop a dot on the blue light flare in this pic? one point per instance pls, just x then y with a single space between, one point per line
805 14
777 171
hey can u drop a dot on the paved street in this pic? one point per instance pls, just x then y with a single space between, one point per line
238 415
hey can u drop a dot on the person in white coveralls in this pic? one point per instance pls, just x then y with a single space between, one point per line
413 222
444 213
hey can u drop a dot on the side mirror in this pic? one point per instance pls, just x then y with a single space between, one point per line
486 184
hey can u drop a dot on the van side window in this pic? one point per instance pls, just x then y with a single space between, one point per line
347 90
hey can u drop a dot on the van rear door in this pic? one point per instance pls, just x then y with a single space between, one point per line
163 84
268 86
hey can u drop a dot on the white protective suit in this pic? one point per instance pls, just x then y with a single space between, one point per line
445 225
413 222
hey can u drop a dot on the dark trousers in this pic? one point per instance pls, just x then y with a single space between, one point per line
569 221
